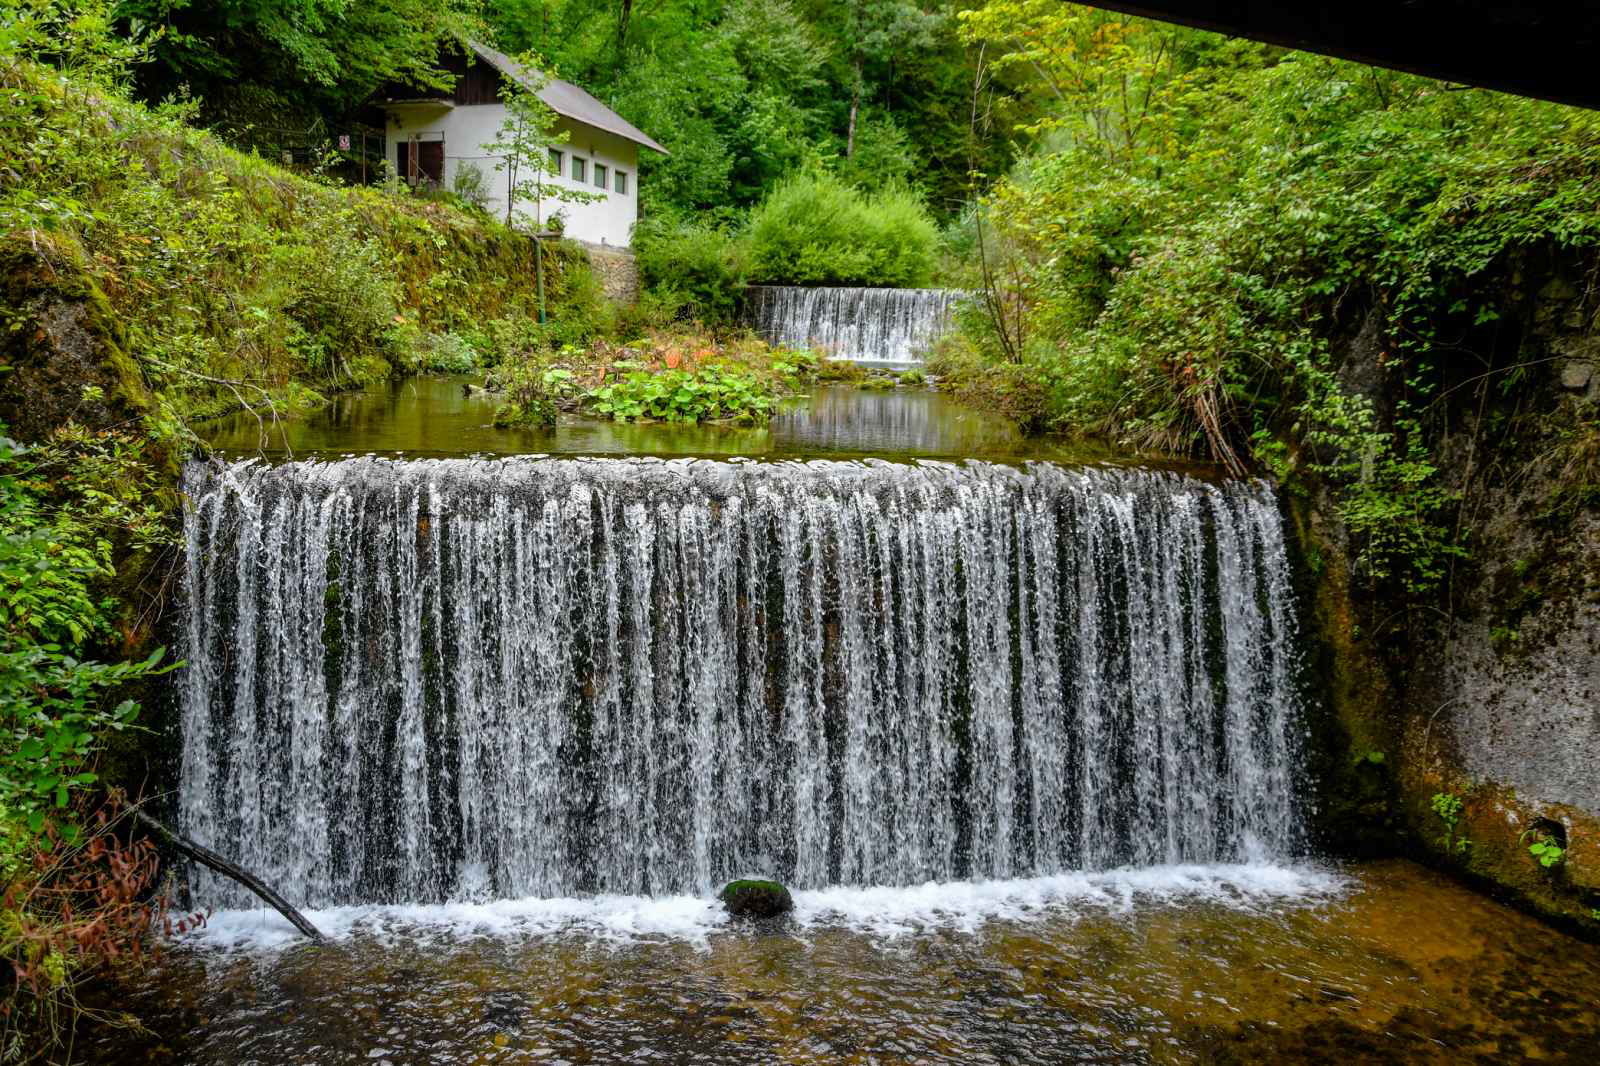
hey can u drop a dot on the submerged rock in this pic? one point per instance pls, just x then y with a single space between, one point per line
756 899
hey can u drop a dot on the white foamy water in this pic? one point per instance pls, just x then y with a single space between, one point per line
880 912
874 325
445 681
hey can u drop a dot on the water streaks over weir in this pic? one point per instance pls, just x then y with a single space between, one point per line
883 325
429 680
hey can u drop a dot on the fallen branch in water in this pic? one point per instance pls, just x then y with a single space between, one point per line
206 857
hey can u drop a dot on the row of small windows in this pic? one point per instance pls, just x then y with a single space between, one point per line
618 179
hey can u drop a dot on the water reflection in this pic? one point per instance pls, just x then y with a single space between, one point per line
899 421
438 415
1407 967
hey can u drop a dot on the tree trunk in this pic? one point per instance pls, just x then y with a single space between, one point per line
855 108
206 857
622 30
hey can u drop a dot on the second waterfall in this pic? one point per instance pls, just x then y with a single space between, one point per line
468 679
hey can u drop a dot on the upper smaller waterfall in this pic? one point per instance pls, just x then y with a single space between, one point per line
868 325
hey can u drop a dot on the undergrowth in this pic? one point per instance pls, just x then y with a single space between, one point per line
1299 266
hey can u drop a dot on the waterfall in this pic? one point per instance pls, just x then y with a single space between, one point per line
470 679
878 325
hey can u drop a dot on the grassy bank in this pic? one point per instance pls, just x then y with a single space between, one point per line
193 278
150 277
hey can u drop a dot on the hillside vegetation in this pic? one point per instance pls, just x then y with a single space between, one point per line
208 278
150 276
1207 225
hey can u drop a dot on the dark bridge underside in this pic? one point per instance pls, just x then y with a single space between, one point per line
1546 50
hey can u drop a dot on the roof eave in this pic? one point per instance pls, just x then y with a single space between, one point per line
505 65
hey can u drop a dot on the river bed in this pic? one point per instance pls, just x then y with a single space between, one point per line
1377 962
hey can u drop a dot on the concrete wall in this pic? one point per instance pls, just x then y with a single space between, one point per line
465 130
1495 701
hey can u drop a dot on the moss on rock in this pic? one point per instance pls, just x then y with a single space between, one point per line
756 899
63 345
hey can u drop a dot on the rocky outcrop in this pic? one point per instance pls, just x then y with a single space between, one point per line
63 346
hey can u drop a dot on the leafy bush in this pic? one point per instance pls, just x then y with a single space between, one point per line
816 229
74 896
470 185
534 389
695 272
1185 267
702 395
448 353
63 508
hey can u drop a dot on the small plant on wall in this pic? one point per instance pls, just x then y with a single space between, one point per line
1447 808
1547 847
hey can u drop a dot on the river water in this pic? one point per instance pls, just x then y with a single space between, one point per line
439 416
1373 963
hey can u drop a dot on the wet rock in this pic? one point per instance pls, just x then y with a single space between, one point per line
756 899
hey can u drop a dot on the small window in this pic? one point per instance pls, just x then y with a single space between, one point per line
600 175
555 162
579 167
622 181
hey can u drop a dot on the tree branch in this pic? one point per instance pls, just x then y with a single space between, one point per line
206 857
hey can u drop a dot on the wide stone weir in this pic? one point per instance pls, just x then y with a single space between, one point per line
455 679
890 327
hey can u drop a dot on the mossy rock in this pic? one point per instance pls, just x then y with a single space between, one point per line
756 899
64 338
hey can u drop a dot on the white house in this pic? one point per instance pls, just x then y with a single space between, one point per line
434 135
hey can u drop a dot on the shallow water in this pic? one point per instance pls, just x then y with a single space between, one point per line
1383 962
436 416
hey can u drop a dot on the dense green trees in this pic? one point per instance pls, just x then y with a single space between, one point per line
1185 258
287 63
746 92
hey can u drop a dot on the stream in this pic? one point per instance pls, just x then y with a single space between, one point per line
1024 729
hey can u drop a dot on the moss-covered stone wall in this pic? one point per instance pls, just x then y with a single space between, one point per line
1492 695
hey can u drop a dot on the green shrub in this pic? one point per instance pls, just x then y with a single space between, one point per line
534 390
1200 292
691 272
815 229
447 353
705 394
65 508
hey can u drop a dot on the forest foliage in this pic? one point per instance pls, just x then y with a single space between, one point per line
1202 227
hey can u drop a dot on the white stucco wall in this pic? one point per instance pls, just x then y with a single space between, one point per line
466 128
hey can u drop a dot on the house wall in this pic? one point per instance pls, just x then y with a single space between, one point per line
465 129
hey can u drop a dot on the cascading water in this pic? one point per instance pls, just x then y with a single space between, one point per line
878 325
459 679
